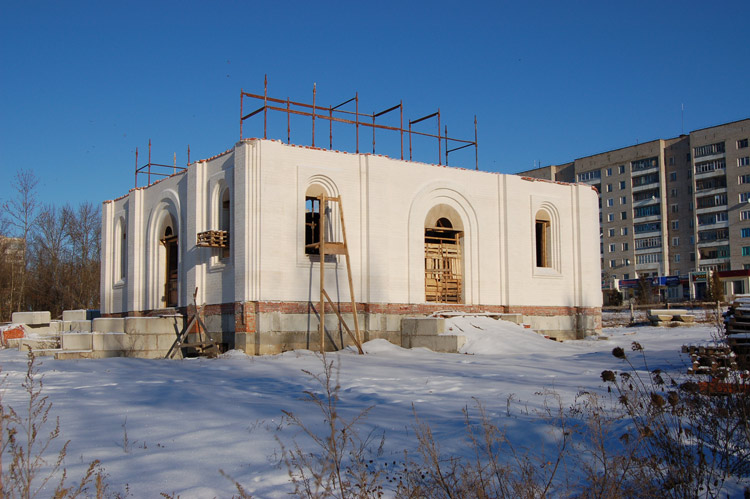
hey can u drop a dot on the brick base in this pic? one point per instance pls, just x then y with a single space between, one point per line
267 317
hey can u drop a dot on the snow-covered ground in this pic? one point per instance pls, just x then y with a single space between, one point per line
171 425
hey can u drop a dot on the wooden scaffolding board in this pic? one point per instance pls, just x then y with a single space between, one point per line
443 267
334 248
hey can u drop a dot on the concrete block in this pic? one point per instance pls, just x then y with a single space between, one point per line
39 343
31 318
108 325
393 322
154 325
119 342
422 326
74 315
83 326
76 341
444 344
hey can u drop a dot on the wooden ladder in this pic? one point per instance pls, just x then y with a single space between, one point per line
334 248
205 345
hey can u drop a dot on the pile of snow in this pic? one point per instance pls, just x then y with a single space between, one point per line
488 336
171 425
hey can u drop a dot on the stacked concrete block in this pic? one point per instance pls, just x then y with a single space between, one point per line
32 318
427 332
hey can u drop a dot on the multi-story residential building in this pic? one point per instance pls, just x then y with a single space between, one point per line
670 207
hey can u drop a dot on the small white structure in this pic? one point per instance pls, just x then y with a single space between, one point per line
422 238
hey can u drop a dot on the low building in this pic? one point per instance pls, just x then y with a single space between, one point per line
422 238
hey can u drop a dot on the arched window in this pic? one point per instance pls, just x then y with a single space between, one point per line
543 239
443 256
224 221
170 243
121 251
312 218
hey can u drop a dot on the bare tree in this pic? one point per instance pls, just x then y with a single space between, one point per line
83 231
19 217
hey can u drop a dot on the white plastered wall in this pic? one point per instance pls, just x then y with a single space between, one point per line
385 204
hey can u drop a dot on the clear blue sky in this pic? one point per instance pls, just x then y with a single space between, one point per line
82 84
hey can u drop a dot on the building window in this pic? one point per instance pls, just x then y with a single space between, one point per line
744 196
611 232
610 217
582 177
674 208
626 276
745 215
746 251
743 161
645 211
744 179
671 161
610 202
648 258
621 169
710 166
675 241
123 252
543 239
224 221
612 263
648 242
312 225
624 246
677 258
612 248
623 200
709 150
742 143
623 215
675 224
646 227
745 232
644 164
673 193
624 231
609 172
609 187
673 176
622 185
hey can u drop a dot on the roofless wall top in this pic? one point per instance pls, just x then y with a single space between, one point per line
336 114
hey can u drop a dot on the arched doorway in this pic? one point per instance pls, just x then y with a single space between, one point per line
170 243
443 260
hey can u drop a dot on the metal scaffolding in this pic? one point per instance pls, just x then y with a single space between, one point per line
335 114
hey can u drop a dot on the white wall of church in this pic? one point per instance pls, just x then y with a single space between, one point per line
385 202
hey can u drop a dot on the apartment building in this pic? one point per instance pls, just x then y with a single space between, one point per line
670 207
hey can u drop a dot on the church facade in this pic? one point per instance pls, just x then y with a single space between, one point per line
238 230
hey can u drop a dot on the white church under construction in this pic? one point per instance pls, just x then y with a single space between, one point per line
243 229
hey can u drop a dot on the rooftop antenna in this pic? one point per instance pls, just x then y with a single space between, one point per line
682 126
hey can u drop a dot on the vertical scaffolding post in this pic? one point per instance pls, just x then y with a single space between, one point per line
440 152
136 167
242 115
446 145
476 144
401 127
356 117
265 107
288 124
149 161
322 251
313 116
